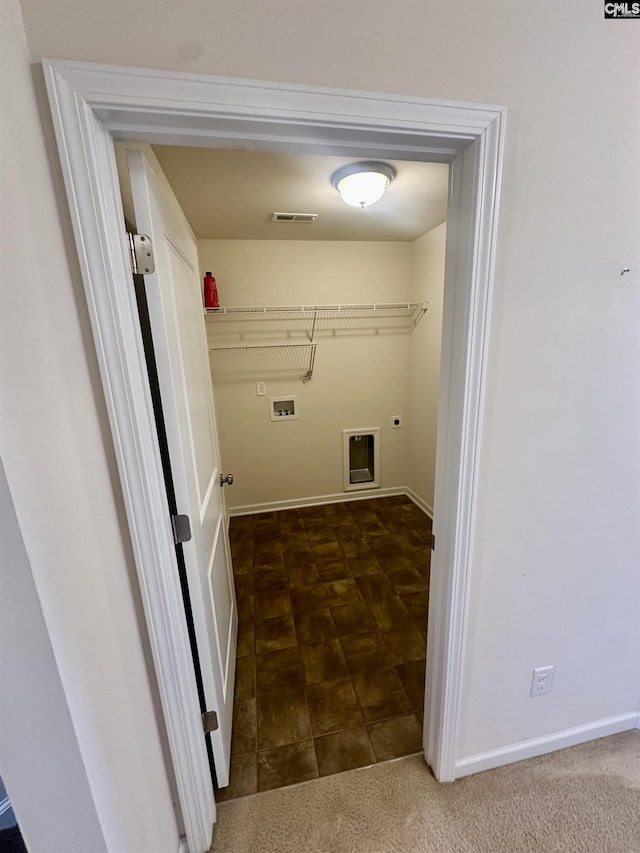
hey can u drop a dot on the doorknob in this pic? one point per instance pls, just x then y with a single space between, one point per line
228 479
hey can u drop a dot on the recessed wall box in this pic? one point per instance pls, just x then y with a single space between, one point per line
361 458
283 408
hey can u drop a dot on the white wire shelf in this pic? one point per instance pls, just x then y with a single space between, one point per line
257 349
253 347
412 311
270 356
309 321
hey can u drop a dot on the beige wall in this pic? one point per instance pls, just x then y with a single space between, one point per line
360 378
428 284
559 455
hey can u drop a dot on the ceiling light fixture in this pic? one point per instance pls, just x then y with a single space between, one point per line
362 184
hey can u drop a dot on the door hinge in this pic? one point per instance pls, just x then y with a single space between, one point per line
210 721
433 542
181 528
141 254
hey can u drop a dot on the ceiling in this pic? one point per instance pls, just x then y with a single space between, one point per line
232 194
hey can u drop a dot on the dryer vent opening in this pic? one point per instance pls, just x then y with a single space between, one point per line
361 456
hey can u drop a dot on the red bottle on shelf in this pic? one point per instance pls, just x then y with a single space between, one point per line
210 292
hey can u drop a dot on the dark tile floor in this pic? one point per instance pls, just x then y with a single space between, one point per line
332 604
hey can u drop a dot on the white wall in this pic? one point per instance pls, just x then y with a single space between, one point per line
424 375
59 465
559 468
360 377
38 746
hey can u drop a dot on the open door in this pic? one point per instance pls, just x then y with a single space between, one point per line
177 323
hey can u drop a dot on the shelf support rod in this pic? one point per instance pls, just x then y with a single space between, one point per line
312 360
312 356
313 326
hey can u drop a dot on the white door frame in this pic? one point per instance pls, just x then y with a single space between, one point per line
92 105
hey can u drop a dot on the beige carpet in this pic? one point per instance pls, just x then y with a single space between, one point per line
586 798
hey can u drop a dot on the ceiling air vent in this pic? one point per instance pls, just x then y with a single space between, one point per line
294 217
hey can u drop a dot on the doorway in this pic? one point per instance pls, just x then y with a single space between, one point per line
332 596
92 104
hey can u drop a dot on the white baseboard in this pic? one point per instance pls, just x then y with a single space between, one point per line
423 505
548 743
318 500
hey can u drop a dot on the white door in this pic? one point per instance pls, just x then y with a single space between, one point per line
182 358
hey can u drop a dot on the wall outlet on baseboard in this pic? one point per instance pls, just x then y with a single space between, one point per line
542 680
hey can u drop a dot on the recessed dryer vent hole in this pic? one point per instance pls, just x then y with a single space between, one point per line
361 458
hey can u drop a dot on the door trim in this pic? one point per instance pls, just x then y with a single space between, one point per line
94 104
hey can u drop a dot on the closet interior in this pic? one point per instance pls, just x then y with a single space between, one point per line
324 355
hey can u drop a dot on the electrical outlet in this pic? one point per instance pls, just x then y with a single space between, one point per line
396 421
542 680
261 389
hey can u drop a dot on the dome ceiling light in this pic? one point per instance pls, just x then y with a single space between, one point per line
362 184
